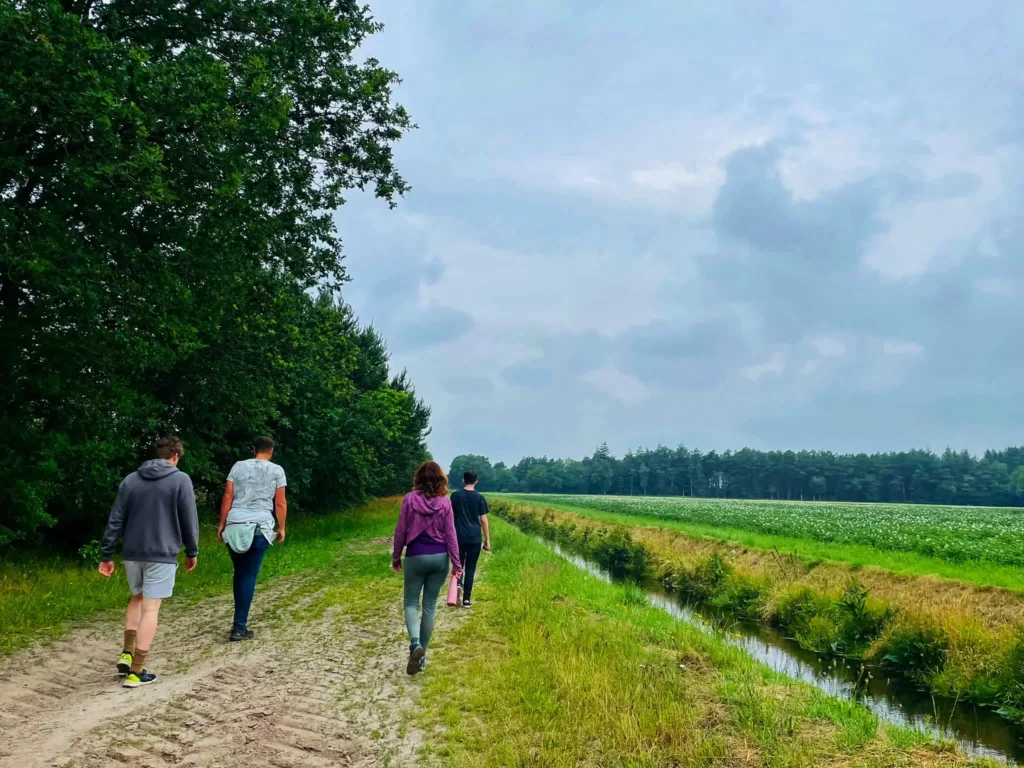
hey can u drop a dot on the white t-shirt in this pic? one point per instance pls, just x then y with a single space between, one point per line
255 482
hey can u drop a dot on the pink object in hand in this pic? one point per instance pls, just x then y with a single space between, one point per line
453 591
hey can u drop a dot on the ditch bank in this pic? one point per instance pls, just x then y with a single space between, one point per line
962 660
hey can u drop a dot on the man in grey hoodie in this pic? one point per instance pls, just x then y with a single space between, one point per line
155 511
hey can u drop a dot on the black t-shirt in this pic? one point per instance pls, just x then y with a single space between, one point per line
468 506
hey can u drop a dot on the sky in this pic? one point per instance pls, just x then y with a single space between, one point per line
762 223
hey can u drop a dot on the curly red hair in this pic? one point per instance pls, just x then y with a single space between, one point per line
430 480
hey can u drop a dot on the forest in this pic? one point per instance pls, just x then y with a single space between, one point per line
169 260
916 476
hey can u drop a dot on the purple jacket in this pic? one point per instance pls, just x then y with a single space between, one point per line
431 516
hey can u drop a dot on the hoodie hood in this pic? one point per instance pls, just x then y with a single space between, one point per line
156 469
421 505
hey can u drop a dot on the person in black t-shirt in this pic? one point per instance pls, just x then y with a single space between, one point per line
470 518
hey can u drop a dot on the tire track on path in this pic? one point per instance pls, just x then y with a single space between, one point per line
319 693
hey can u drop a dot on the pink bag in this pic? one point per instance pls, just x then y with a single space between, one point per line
453 591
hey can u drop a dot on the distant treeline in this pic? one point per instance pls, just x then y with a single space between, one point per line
169 260
919 477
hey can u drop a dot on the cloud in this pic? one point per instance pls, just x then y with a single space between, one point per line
528 373
767 253
902 348
617 385
771 367
431 327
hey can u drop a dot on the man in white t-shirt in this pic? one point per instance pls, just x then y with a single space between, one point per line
253 498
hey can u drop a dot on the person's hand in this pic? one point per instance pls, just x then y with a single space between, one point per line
107 569
458 574
190 564
487 546
396 568
280 536
220 533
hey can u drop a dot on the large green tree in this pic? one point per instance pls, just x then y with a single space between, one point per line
168 172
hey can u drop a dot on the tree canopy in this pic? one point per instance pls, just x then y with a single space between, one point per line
169 261
921 477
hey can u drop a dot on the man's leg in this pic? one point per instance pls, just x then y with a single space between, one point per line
247 568
469 569
146 632
158 583
132 615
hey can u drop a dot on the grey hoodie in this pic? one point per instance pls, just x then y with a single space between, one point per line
155 509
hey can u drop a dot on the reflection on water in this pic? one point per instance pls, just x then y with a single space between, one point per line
979 731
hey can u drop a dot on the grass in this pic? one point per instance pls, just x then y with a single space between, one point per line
552 667
987 574
558 668
40 598
957 640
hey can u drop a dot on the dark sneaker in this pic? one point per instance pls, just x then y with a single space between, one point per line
417 657
467 603
238 635
124 664
138 679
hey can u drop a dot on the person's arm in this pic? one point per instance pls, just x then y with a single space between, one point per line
281 512
451 537
399 542
115 527
225 507
188 521
483 524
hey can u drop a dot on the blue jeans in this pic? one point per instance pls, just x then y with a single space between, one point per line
247 568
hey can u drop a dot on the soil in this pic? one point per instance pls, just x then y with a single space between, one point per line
331 691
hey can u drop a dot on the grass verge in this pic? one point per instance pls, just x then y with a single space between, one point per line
41 598
560 669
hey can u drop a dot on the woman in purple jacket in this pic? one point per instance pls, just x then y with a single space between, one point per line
426 530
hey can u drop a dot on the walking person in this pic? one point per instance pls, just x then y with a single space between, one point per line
155 512
426 531
470 509
253 496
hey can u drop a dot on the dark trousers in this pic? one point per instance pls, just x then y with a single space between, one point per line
247 568
468 555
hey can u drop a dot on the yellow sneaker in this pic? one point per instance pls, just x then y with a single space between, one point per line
137 679
124 664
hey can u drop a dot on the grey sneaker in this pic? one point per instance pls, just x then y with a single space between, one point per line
238 635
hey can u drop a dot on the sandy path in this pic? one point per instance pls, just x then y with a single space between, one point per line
330 691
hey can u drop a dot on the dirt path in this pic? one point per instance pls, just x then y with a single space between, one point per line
313 691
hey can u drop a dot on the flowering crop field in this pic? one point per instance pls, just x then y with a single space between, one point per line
956 534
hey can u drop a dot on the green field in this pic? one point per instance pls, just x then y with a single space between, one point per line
961 535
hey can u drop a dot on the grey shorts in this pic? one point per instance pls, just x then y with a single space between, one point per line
153 580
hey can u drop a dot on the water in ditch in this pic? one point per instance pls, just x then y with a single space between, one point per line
979 731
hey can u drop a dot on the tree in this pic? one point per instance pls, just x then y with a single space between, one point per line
479 464
168 255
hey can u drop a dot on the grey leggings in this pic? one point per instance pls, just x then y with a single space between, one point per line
424 574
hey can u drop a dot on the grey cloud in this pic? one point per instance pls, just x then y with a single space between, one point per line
467 384
528 373
431 327
755 208
671 356
953 185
